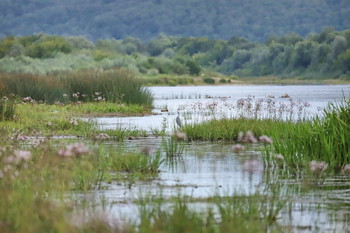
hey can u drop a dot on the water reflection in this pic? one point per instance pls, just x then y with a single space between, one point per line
209 169
215 169
224 97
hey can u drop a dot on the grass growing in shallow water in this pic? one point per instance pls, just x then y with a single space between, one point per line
324 138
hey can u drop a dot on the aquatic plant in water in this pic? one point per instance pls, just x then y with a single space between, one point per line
317 167
238 148
74 149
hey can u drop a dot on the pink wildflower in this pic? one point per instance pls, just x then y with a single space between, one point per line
278 157
147 150
317 167
73 122
22 137
22 155
252 166
248 137
238 148
346 169
180 136
76 149
265 139
19 156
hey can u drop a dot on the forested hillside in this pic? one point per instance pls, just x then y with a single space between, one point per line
145 19
323 55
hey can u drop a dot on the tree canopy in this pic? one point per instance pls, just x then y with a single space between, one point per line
255 20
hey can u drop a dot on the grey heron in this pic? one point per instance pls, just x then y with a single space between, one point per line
178 121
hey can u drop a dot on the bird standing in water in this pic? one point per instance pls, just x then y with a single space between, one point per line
178 120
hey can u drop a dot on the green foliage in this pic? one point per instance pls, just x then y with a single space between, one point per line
323 55
209 80
48 46
35 46
7 109
254 19
194 68
173 148
136 163
323 139
6 45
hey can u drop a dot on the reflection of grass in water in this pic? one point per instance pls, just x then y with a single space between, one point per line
32 192
235 213
35 179
173 148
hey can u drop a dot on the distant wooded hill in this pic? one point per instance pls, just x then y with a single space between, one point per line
145 19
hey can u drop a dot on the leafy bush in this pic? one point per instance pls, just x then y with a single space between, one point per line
209 80
48 47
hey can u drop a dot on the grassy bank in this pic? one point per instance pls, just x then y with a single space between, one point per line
33 119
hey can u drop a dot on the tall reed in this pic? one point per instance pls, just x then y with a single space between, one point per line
7 108
39 87
117 86
325 138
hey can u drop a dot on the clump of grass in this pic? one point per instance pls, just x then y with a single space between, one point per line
136 163
173 148
7 109
107 108
229 129
325 138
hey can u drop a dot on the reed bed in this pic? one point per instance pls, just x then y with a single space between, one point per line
296 139
325 138
116 86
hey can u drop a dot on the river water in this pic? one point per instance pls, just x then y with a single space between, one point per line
197 103
209 169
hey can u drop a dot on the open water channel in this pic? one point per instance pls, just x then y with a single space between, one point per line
211 169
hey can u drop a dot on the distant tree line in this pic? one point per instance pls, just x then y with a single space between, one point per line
145 19
326 54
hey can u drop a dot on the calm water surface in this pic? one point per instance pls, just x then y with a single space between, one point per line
183 99
211 169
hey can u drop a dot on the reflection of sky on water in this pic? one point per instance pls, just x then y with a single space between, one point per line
318 96
210 169
214 169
